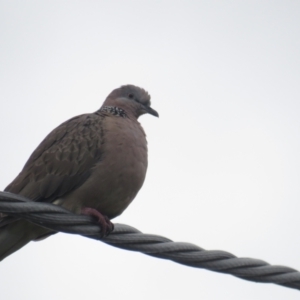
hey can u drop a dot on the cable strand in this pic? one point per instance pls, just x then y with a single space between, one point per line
129 238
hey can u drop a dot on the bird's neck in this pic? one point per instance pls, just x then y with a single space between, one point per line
113 110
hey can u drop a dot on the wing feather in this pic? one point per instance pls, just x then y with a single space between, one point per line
62 161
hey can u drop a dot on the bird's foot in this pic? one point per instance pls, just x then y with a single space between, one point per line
106 225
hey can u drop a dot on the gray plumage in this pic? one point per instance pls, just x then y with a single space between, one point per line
96 160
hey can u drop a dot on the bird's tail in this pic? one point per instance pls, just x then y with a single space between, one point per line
16 235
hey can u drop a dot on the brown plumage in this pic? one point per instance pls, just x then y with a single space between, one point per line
93 163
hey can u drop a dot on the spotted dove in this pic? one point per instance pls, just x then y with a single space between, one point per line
92 164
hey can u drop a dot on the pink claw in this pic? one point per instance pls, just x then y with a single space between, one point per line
106 225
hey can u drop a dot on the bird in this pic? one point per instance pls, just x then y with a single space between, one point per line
92 164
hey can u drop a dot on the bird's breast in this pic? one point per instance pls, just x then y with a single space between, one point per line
119 174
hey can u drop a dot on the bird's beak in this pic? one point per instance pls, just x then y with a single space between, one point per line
151 111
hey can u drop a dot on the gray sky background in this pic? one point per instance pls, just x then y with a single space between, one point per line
224 164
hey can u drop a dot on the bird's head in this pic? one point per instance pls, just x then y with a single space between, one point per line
132 99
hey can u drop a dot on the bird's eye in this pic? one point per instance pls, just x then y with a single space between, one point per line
131 96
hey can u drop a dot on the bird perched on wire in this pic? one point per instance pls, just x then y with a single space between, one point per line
92 164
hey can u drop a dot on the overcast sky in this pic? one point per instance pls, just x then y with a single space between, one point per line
224 163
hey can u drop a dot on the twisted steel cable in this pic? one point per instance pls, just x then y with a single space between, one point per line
129 238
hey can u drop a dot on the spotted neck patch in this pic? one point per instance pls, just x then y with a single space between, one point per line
113 110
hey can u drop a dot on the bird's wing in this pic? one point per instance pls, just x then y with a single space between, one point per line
63 160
